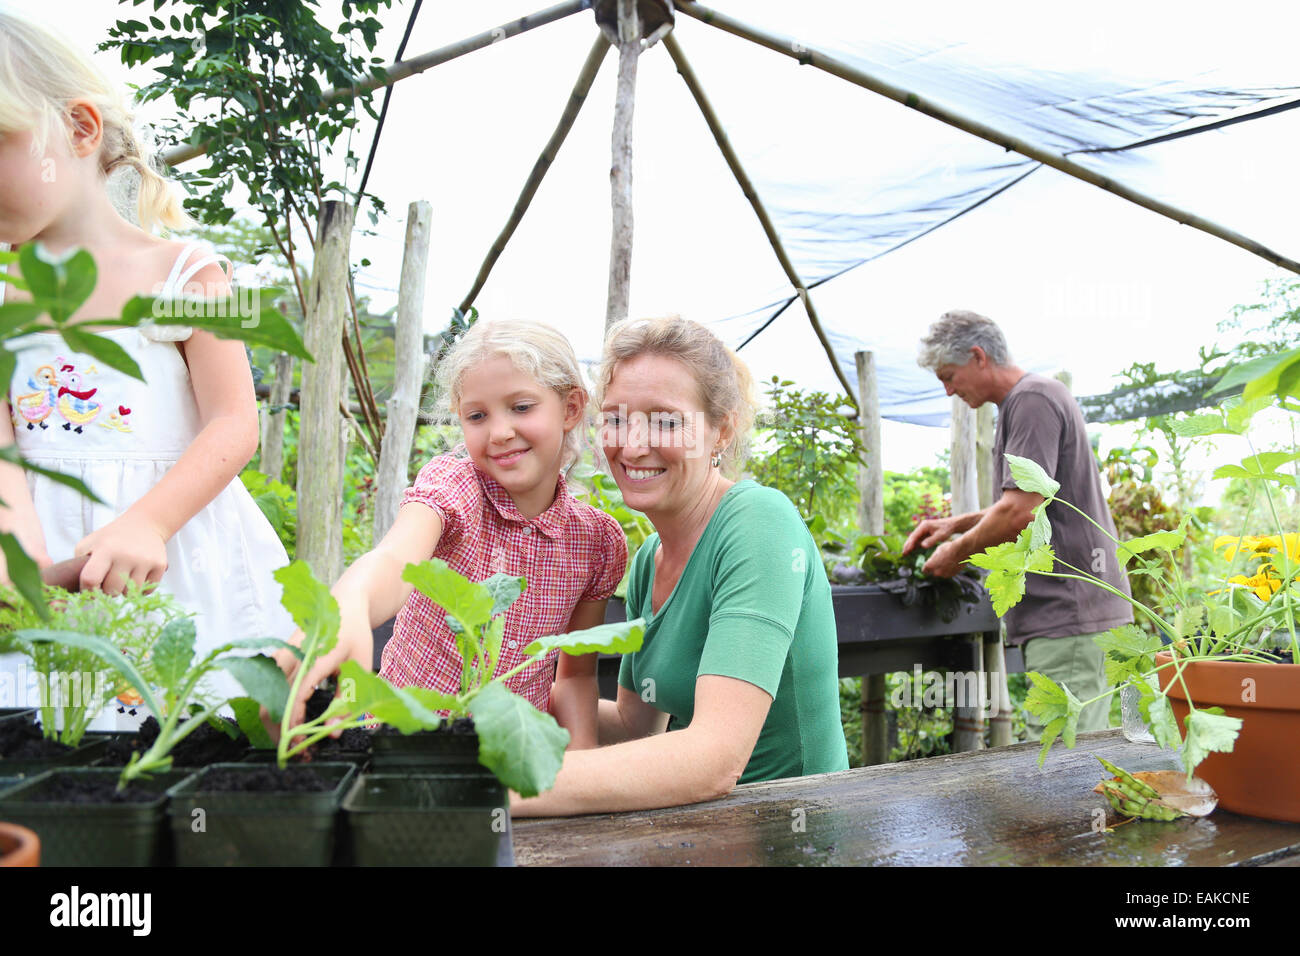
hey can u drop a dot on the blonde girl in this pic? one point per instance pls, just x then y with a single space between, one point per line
500 503
163 454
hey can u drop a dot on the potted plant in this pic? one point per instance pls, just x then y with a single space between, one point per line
1217 676
101 816
460 818
73 683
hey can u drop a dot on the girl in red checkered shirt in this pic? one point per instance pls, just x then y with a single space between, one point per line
500 503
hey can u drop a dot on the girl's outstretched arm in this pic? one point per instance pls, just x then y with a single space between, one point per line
17 511
134 545
369 593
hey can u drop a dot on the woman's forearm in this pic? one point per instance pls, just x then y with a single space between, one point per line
665 770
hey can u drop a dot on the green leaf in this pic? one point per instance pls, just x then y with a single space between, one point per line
1040 531
59 284
173 653
258 644
1130 647
10 454
1265 367
1008 563
103 649
1154 706
248 714
1157 541
1059 710
505 590
517 742
248 315
102 349
470 603
1030 476
1208 729
402 708
261 678
312 607
622 637
24 574
16 315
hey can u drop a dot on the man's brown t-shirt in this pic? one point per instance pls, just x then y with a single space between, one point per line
1040 420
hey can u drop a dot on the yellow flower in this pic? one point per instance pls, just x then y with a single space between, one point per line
1264 585
1258 546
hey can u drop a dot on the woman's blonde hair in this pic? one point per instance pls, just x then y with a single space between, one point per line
40 75
724 381
534 348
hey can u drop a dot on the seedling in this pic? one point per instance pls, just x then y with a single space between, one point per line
521 745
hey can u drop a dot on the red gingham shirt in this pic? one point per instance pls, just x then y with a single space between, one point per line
569 553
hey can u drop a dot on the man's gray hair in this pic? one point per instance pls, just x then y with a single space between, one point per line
950 340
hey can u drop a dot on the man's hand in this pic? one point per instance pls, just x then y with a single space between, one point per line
930 532
945 562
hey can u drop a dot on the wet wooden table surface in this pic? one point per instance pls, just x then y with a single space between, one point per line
988 808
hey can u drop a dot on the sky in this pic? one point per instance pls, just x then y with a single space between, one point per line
1090 282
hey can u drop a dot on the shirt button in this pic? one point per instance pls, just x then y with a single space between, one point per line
527 529
513 645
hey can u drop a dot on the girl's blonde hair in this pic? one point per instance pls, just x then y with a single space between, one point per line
725 384
40 75
534 348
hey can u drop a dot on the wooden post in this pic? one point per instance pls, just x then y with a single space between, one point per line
995 658
871 520
273 417
404 405
320 475
984 454
967 720
620 171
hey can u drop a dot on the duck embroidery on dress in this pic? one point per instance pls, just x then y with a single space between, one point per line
38 405
74 402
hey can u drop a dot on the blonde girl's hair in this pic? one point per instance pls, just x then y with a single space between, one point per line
40 75
534 348
725 384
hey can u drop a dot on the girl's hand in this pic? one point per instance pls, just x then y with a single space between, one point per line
356 642
126 549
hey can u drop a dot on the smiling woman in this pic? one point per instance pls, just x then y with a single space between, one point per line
739 655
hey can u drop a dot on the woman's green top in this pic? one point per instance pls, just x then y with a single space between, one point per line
753 603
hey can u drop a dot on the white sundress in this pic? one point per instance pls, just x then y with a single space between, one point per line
120 436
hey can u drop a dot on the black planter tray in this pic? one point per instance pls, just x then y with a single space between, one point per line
442 819
359 759
17 713
89 834
216 828
426 752
89 751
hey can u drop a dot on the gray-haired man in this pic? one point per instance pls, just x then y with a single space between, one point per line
1038 419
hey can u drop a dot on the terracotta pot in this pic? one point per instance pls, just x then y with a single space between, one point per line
19 846
1261 776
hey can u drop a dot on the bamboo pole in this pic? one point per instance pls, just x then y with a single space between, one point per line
320 439
733 161
272 461
968 718
871 520
418 64
410 357
808 56
620 170
576 98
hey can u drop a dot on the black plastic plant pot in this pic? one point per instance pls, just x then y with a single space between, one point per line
87 753
76 832
427 752
428 820
358 759
257 828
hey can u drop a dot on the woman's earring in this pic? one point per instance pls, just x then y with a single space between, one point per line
716 460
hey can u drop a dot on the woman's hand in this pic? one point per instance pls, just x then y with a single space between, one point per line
129 548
